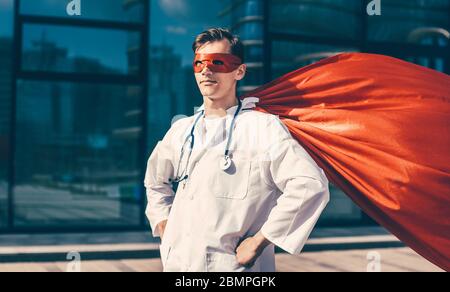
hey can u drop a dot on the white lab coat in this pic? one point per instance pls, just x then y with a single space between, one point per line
273 186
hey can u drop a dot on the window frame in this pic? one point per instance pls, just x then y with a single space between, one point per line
141 79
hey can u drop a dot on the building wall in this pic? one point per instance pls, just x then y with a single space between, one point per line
89 99
6 31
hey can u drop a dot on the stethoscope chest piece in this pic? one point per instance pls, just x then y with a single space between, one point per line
225 163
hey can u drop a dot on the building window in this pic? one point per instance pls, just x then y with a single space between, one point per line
318 18
288 56
78 154
402 17
53 48
6 32
125 11
80 115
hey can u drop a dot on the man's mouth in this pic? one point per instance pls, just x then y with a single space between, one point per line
208 82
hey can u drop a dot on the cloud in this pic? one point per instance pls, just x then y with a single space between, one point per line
175 7
178 30
6 3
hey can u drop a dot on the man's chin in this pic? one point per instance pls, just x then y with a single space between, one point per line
211 95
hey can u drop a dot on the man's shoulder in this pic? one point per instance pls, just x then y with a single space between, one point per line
264 128
257 116
181 123
266 120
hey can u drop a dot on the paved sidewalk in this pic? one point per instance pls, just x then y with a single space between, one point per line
328 249
391 260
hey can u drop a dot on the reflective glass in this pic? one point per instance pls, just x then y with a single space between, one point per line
108 10
81 50
321 18
289 56
411 21
6 31
77 154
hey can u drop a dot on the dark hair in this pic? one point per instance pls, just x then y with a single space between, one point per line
218 34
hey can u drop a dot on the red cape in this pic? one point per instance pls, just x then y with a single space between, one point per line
380 129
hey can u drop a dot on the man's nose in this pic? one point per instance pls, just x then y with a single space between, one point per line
206 69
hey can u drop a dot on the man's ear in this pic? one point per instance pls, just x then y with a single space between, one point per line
240 72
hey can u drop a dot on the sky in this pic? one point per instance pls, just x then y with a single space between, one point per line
172 22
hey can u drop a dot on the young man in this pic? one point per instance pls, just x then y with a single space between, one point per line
244 184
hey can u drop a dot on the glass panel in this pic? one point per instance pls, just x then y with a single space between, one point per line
254 76
435 63
77 154
250 30
253 52
413 21
172 87
340 208
6 30
110 10
248 23
430 61
309 17
80 50
289 56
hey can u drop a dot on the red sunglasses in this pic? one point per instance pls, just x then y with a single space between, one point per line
219 63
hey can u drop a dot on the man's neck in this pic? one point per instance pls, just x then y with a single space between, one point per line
218 108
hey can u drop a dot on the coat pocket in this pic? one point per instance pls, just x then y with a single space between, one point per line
234 182
222 262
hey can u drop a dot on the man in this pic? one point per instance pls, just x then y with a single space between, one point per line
244 184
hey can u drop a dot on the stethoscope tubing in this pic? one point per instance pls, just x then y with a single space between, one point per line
184 175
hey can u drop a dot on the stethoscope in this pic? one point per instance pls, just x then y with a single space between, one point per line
225 162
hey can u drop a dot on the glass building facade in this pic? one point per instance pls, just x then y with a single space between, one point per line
85 98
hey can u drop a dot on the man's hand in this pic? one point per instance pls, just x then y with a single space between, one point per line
161 227
250 249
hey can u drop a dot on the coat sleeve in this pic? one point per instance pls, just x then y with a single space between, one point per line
303 191
160 195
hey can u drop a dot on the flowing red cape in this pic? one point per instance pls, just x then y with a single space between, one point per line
379 127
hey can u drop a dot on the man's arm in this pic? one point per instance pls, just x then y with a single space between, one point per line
305 193
250 249
160 194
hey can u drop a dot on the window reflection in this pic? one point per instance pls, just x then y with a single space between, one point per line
437 37
290 56
6 29
5 117
340 208
108 10
70 49
77 154
248 23
331 18
400 18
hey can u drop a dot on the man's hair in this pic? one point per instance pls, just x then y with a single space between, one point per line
218 34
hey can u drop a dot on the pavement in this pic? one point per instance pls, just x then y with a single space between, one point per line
357 249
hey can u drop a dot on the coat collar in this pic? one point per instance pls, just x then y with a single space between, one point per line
247 103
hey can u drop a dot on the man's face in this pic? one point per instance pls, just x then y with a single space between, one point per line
218 85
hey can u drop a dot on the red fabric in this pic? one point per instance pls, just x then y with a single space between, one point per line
379 127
